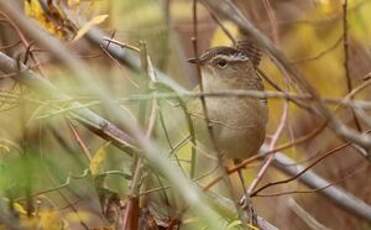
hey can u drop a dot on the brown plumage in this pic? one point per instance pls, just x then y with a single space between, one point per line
238 122
252 51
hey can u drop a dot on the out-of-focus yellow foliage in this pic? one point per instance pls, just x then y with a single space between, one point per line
4 148
358 16
183 10
49 218
74 217
73 2
358 20
325 71
329 7
19 209
34 9
46 219
220 38
184 153
301 44
97 163
93 22
59 25
133 16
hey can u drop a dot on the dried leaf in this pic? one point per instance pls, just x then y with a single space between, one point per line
19 209
33 9
93 22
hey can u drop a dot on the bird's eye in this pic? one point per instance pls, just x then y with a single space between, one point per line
221 63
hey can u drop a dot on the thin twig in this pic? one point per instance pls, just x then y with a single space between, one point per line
309 191
272 20
122 45
214 146
270 184
275 138
24 40
4 47
346 60
61 186
79 140
320 54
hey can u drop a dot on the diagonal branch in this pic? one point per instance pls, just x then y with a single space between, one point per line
336 194
86 117
129 59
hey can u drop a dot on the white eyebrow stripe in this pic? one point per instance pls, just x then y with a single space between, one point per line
231 58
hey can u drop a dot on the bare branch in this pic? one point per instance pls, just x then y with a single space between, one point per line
337 195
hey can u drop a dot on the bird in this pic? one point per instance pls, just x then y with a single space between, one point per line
238 123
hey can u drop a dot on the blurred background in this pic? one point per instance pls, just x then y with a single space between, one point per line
72 179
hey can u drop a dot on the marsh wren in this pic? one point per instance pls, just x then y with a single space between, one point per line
238 123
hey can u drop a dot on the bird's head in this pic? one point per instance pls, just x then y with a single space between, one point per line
227 65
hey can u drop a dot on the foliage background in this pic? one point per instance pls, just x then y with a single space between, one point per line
40 150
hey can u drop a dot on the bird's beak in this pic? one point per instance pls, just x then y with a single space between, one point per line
193 60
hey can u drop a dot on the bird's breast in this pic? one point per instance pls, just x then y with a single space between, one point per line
238 125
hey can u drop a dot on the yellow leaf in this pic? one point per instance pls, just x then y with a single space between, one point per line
5 148
19 208
33 8
85 28
97 163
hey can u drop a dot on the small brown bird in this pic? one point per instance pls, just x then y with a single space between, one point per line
238 122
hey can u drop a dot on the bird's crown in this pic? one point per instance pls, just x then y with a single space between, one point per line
224 54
